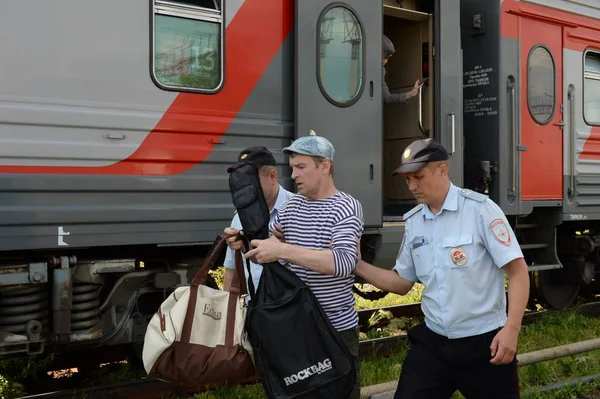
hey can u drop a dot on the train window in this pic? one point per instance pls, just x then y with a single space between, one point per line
341 60
591 88
188 45
540 85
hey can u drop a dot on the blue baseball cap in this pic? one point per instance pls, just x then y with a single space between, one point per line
312 145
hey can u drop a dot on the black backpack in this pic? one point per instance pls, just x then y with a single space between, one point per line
298 353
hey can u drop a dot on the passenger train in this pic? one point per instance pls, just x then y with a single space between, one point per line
118 120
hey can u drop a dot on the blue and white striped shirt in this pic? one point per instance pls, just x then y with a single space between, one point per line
334 223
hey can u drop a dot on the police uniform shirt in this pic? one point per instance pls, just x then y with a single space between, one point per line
229 261
458 254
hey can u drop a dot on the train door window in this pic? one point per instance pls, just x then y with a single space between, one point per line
187 48
541 76
341 56
591 88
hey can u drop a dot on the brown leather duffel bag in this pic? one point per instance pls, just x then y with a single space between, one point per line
197 337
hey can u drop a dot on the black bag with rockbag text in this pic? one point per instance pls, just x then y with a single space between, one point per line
297 351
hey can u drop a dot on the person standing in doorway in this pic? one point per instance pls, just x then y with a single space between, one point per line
390 98
275 196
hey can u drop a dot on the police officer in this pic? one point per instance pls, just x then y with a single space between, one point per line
388 51
459 244
275 196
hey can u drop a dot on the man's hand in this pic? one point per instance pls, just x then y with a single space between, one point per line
265 251
504 345
415 89
233 242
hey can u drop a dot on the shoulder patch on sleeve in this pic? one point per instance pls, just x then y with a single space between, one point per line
413 211
500 231
474 195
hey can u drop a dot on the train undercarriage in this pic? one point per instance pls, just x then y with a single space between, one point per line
62 304
564 258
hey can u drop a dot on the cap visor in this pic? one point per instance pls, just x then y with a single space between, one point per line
287 150
409 168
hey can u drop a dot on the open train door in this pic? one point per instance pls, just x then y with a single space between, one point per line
448 84
339 91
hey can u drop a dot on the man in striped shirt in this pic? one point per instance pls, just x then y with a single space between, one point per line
321 227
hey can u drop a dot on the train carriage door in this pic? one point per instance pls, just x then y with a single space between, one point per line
541 116
338 90
449 83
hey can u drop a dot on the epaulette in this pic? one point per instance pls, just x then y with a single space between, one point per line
413 211
474 195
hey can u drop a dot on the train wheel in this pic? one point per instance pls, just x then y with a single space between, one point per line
553 289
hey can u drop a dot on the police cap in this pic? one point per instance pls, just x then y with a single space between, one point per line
419 153
258 155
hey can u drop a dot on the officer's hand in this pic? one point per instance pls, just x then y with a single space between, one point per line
504 345
233 242
278 232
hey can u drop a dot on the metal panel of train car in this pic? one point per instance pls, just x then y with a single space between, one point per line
582 112
448 82
93 153
338 91
541 116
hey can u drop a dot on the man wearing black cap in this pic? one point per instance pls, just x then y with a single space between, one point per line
459 244
388 51
275 196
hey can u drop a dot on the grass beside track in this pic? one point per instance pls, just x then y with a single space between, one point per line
414 295
551 330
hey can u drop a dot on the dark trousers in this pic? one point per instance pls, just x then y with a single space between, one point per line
350 339
436 366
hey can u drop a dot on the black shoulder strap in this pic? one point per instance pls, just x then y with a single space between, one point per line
250 280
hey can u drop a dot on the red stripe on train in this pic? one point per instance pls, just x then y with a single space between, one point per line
176 144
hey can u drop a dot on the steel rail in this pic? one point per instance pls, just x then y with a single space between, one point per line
146 388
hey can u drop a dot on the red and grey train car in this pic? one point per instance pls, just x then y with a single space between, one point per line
118 120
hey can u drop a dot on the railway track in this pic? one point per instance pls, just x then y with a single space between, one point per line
149 388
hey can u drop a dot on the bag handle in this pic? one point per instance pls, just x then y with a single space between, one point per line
200 279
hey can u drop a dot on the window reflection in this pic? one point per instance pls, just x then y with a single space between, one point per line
341 55
540 86
187 51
